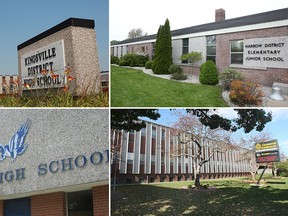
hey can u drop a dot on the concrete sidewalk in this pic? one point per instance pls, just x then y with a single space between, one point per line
275 103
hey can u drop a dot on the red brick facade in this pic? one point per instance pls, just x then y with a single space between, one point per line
264 77
1 207
49 204
101 200
55 203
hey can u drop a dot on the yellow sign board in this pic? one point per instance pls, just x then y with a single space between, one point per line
267 145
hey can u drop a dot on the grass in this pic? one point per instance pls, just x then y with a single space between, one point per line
225 197
133 88
58 100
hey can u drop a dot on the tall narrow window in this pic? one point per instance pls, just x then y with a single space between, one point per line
185 48
211 48
237 52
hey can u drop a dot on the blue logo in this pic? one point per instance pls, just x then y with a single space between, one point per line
16 145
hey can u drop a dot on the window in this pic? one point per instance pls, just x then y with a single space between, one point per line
211 48
80 203
185 48
236 52
21 206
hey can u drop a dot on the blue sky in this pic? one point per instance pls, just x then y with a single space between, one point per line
21 20
278 128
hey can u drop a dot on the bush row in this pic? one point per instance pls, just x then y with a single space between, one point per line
241 93
130 59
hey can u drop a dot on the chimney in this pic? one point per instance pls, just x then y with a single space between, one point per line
219 15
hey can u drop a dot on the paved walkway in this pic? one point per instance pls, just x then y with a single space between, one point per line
267 102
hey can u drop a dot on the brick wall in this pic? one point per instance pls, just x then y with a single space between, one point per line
1 207
264 77
49 204
101 200
140 48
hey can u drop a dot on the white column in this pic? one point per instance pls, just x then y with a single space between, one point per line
137 147
148 148
123 153
158 150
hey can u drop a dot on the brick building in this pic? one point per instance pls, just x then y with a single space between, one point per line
256 45
9 84
56 163
149 156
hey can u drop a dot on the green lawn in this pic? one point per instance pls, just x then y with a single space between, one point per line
133 88
225 197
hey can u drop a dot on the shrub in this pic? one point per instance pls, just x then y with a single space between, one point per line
282 168
245 93
229 75
175 69
148 64
140 59
134 60
114 60
124 63
208 73
177 73
179 76
127 58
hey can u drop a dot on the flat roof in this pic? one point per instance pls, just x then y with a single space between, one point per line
270 16
86 23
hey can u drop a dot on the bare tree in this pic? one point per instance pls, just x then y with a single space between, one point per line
136 33
249 154
198 142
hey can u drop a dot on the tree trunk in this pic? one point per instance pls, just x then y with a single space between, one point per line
197 177
253 174
197 181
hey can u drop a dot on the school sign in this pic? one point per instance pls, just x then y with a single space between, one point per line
267 152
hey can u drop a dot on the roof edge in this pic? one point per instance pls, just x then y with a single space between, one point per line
86 23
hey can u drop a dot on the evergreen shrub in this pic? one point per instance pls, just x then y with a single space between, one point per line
229 75
134 60
148 64
208 73
177 72
175 69
124 63
179 76
114 59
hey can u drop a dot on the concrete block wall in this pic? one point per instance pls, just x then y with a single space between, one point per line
81 54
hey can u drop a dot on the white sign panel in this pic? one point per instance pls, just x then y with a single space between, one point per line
44 67
266 52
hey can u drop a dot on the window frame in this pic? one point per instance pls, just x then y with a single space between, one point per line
186 46
236 52
209 45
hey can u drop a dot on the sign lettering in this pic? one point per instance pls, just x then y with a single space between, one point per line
266 52
44 68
